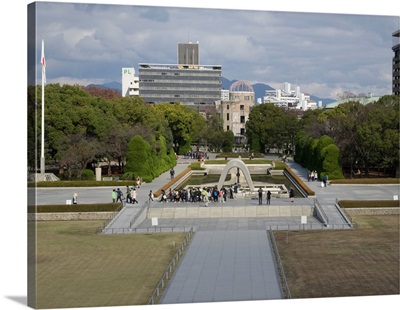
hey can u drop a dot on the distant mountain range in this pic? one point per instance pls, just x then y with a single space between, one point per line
259 89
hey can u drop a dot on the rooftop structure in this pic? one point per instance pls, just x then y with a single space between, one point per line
363 100
188 53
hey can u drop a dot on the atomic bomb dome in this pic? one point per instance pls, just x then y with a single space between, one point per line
241 86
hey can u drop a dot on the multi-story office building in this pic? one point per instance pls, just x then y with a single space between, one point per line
188 54
235 111
130 82
186 84
396 63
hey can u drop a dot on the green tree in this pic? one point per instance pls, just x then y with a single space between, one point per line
76 152
228 139
138 158
330 162
213 133
271 126
185 124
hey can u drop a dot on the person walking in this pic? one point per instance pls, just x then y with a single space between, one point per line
151 196
119 195
260 192
268 198
163 196
133 195
128 195
138 182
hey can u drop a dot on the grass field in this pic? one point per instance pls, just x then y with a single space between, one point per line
78 268
341 263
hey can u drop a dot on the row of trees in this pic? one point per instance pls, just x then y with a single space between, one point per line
357 136
82 128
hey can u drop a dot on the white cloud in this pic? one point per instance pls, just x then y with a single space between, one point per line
306 48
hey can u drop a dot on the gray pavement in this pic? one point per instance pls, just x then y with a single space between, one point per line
234 265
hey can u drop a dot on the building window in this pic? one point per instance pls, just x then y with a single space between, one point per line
227 116
227 127
242 119
241 107
242 131
227 106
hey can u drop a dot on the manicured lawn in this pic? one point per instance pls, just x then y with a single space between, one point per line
343 263
78 268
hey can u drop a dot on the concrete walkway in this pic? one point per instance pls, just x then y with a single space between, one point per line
234 265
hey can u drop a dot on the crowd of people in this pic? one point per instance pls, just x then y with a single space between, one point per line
197 194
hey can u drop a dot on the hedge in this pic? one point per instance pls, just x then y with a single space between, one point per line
102 207
349 204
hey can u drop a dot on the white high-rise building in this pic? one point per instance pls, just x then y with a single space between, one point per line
130 82
289 98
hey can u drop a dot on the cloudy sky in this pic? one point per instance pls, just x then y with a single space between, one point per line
324 53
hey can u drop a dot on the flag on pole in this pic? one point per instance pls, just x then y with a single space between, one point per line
43 61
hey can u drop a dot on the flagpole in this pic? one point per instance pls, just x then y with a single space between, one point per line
42 164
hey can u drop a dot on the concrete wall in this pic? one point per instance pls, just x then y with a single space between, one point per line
72 216
227 212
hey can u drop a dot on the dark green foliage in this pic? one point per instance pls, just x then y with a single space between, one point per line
321 155
88 174
139 157
369 204
330 162
227 143
102 207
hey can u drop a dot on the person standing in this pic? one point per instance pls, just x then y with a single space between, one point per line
172 173
324 179
260 192
291 195
268 198
114 196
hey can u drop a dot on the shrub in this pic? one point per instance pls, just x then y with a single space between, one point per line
128 176
348 204
87 174
330 163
